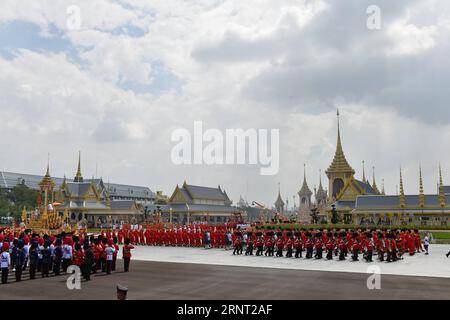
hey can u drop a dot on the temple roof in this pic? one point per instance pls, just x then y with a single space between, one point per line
366 187
339 163
393 202
205 193
10 179
305 191
279 202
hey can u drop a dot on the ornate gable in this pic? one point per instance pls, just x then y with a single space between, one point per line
350 190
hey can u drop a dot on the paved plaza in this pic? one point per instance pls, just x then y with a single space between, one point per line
195 273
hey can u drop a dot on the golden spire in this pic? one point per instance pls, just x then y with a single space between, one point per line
339 164
382 188
78 176
421 193
402 192
47 182
304 190
364 172
279 203
442 200
47 174
374 184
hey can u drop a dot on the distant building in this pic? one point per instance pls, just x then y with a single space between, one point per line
359 202
190 203
279 203
305 194
87 200
116 191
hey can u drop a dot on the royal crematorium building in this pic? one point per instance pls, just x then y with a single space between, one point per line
191 204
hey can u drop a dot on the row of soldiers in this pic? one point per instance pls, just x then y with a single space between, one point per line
201 235
43 254
389 245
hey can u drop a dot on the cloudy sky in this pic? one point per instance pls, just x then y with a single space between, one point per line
135 70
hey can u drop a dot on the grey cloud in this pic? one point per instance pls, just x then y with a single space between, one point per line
109 130
335 59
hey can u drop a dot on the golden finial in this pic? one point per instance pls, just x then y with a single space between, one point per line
339 164
421 193
374 184
47 174
402 192
364 172
79 176
442 200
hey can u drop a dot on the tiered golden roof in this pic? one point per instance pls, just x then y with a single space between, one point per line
402 191
442 200
421 192
339 163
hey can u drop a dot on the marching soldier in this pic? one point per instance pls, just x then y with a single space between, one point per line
342 248
388 247
329 246
289 246
309 245
259 244
355 247
369 248
249 249
380 246
298 245
269 245
318 246
237 244
279 244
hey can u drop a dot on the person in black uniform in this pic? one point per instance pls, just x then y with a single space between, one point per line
34 256
20 260
46 259
58 257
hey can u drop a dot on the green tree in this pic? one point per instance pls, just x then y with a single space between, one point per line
334 215
12 201
314 216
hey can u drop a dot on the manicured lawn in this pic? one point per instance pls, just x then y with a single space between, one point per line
441 235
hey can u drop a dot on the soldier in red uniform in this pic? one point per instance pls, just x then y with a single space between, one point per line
269 244
279 244
342 248
289 245
126 254
418 241
298 245
380 246
249 246
369 247
318 245
78 256
237 244
355 247
388 247
259 244
410 243
309 245
329 245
